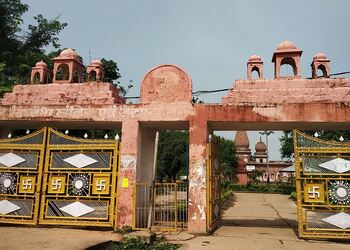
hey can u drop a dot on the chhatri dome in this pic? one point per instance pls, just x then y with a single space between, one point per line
68 53
320 56
260 146
286 45
254 58
260 151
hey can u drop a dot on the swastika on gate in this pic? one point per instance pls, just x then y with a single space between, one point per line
56 184
27 184
314 192
101 185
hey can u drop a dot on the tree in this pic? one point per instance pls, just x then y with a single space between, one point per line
112 75
173 158
287 146
228 157
20 50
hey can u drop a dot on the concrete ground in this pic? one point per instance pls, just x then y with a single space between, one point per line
259 221
250 221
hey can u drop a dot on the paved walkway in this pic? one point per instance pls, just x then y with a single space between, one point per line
250 221
259 221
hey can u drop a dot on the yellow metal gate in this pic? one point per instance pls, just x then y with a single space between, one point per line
21 161
169 207
79 181
213 184
322 171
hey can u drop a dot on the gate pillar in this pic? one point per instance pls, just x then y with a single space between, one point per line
197 176
129 152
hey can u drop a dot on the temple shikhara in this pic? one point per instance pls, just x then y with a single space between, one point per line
258 166
48 177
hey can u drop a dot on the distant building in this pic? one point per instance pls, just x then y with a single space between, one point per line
258 163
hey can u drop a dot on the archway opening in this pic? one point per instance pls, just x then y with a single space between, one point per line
321 71
62 72
255 73
288 67
36 78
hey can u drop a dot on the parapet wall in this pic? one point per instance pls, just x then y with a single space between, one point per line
281 91
92 93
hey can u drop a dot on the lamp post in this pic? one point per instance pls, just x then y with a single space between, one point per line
267 133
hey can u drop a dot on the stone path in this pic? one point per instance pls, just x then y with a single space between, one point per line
259 221
250 221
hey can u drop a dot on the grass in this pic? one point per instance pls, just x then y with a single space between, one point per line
135 243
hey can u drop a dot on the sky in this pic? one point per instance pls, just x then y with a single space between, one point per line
211 40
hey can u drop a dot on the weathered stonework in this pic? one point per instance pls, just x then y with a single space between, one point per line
166 93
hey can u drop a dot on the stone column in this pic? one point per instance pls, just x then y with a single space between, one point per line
197 176
127 174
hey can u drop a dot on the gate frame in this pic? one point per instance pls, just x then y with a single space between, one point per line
101 144
213 146
336 148
9 144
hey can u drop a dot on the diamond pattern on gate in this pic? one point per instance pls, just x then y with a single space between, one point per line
11 159
80 160
7 207
337 165
341 220
77 209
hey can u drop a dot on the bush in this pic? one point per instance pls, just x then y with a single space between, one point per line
293 195
124 230
262 187
135 243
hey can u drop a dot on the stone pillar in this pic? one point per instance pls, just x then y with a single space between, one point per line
127 174
197 217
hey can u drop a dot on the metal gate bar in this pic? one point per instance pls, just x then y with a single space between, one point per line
170 206
323 187
21 161
79 182
213 184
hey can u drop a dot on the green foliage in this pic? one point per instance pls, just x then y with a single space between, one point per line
124 230
228 158
172 159
20 50
135 243
263 187
255 174
112 75
173 156
287 147
293 195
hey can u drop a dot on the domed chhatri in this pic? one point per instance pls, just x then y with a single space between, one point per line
254 58
96 62
95 71
322 63
260 147
65 66
41 64
68 53
286 45
287 53
40 73
320 56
